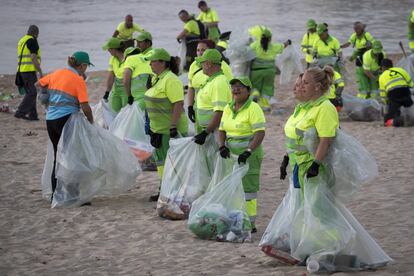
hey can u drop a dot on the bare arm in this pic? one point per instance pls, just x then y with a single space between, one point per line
323 147
36 64
87 111
257 139
116 33
127 81
176 113
221 138
182 35
369 74
110 80
215 121
190 96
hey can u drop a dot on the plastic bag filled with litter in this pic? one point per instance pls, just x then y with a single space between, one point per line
221 213
91 162
182 51
357 109
407 63
187 173
103 115
350 162
47 172
129 126
239 52
289 64
320 228
222 168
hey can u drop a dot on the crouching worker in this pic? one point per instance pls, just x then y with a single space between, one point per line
67 94
395 84
241 132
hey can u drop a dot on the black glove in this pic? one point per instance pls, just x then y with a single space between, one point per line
339 101
289 42
156 139
178 40
243 157
130 100
105 97
283 166
191 113
173 132
224 152
313 170
201 137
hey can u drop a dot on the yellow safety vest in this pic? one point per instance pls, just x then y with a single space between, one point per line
23 53
394 78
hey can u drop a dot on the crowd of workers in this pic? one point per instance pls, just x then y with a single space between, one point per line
219 103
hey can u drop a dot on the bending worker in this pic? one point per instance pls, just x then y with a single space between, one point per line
371 65
125 30
137 70
308 40
263 69
361 40
197 79
212 97
164 103
326 49
394 84
67 94
118 98
335 91
241 132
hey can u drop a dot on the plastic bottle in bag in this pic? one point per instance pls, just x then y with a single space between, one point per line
313 266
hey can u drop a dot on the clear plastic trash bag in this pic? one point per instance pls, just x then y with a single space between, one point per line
221 213
103 115
187 173
181 53
91 162
239 52
129 126
47 172
407 63
320 229
351 164
289 63
358 109
222 168
407 114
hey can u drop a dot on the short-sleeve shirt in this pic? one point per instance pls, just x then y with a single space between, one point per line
191 27
116 66
126 33
370 63
330 47
67 89
209 16
270 54
360 42
244 122
196 77
138 65
215 94
32 45
338 81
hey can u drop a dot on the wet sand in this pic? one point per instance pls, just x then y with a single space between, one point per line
124 236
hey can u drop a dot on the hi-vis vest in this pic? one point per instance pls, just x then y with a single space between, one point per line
26 64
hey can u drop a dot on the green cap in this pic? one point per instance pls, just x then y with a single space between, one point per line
211 55
321 28
158 54
112 43
82 57
267 33
244 80
143 36
376 47
311 24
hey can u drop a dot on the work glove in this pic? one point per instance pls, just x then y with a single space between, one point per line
243 157
289 42
313 170
339 101
156 139
191 113
130 100
224 152
201 137
173 132
105 97
283 167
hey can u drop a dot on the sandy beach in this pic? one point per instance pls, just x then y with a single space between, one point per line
124 235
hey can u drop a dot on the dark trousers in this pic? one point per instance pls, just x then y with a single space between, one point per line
396 99
191 52
54 129
28 104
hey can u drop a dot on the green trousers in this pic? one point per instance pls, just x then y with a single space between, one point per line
368 88
264 80
118 98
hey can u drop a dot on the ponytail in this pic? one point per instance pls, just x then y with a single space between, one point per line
173 65
323 76
264 42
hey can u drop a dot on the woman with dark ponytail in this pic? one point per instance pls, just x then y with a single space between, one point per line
164 102
263 69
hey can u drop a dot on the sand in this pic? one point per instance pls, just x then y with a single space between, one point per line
124 236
